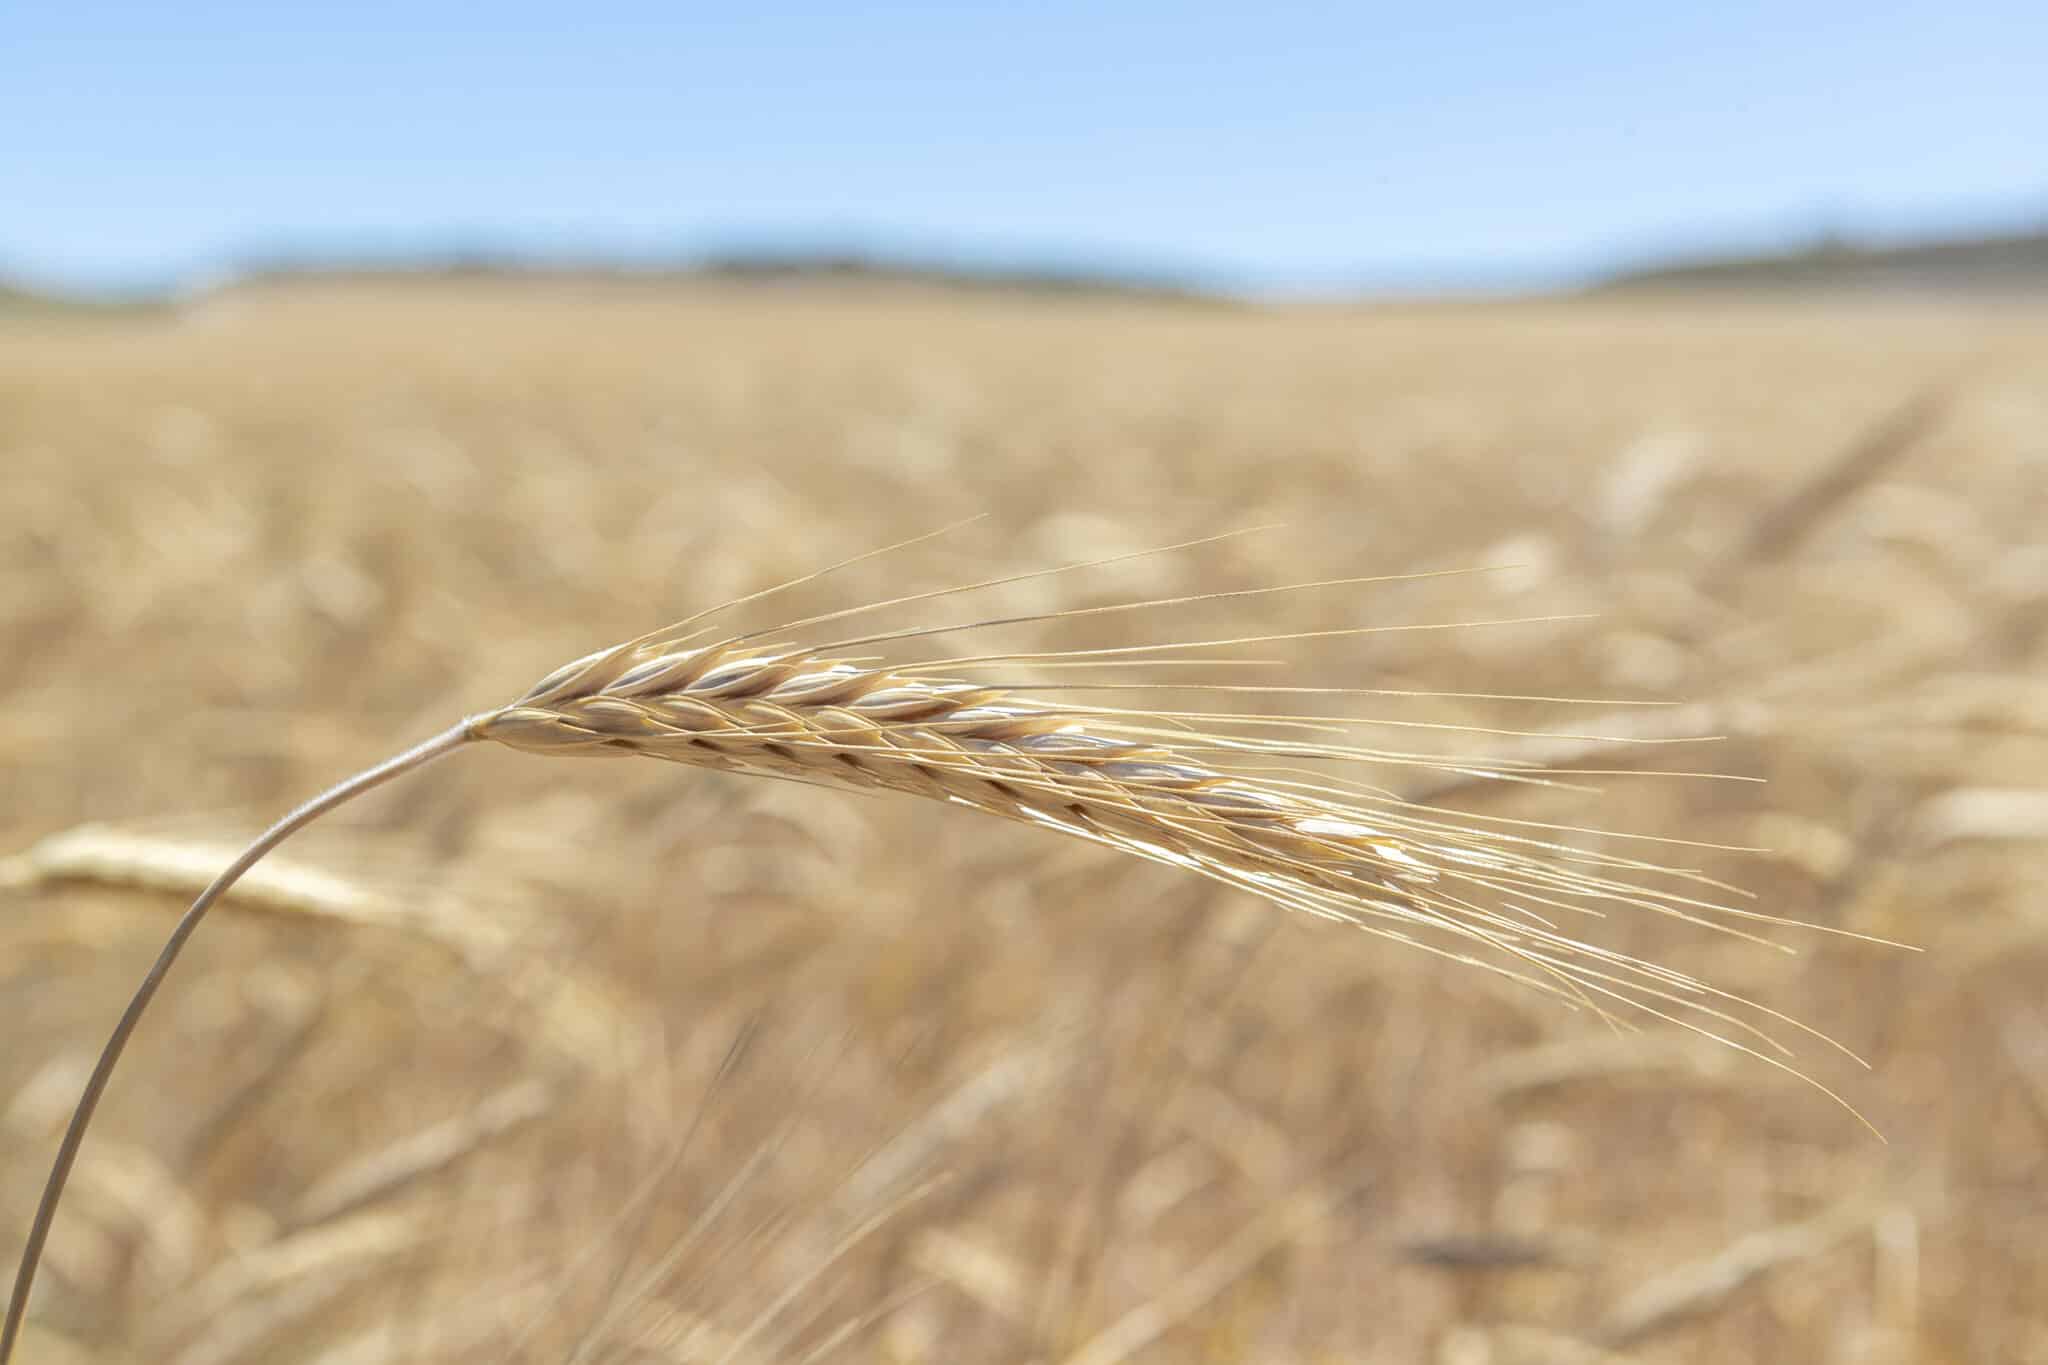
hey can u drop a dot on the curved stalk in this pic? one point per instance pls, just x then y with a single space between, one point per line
103 1070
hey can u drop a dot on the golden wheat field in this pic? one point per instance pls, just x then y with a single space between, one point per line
526 1060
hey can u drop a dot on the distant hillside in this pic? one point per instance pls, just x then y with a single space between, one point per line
19 301
764 267
14 299
2008 263
1025 277
1986 264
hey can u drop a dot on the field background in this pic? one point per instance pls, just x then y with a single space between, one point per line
627 1062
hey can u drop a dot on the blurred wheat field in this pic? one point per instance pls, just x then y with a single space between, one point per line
539 1061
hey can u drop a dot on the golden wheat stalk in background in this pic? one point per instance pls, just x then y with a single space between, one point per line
1189 789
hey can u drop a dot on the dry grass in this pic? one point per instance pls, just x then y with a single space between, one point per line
996 1095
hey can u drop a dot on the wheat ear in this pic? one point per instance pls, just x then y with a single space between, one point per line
1156 784
1180 788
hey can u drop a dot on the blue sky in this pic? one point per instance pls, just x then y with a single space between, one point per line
1276 146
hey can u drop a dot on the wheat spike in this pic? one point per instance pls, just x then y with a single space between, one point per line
1204 800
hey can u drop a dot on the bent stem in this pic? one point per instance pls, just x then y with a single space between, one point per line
74 1135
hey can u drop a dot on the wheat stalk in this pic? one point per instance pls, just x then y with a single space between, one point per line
1189 789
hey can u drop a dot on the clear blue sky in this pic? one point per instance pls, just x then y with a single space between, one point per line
1275 145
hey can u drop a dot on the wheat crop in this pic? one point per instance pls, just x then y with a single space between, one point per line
249 544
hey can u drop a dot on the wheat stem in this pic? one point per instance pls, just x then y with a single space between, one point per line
74 1134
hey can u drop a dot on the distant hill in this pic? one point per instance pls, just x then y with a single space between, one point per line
21 301
1984 264
757 267
14 299
1024 278
2007 263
